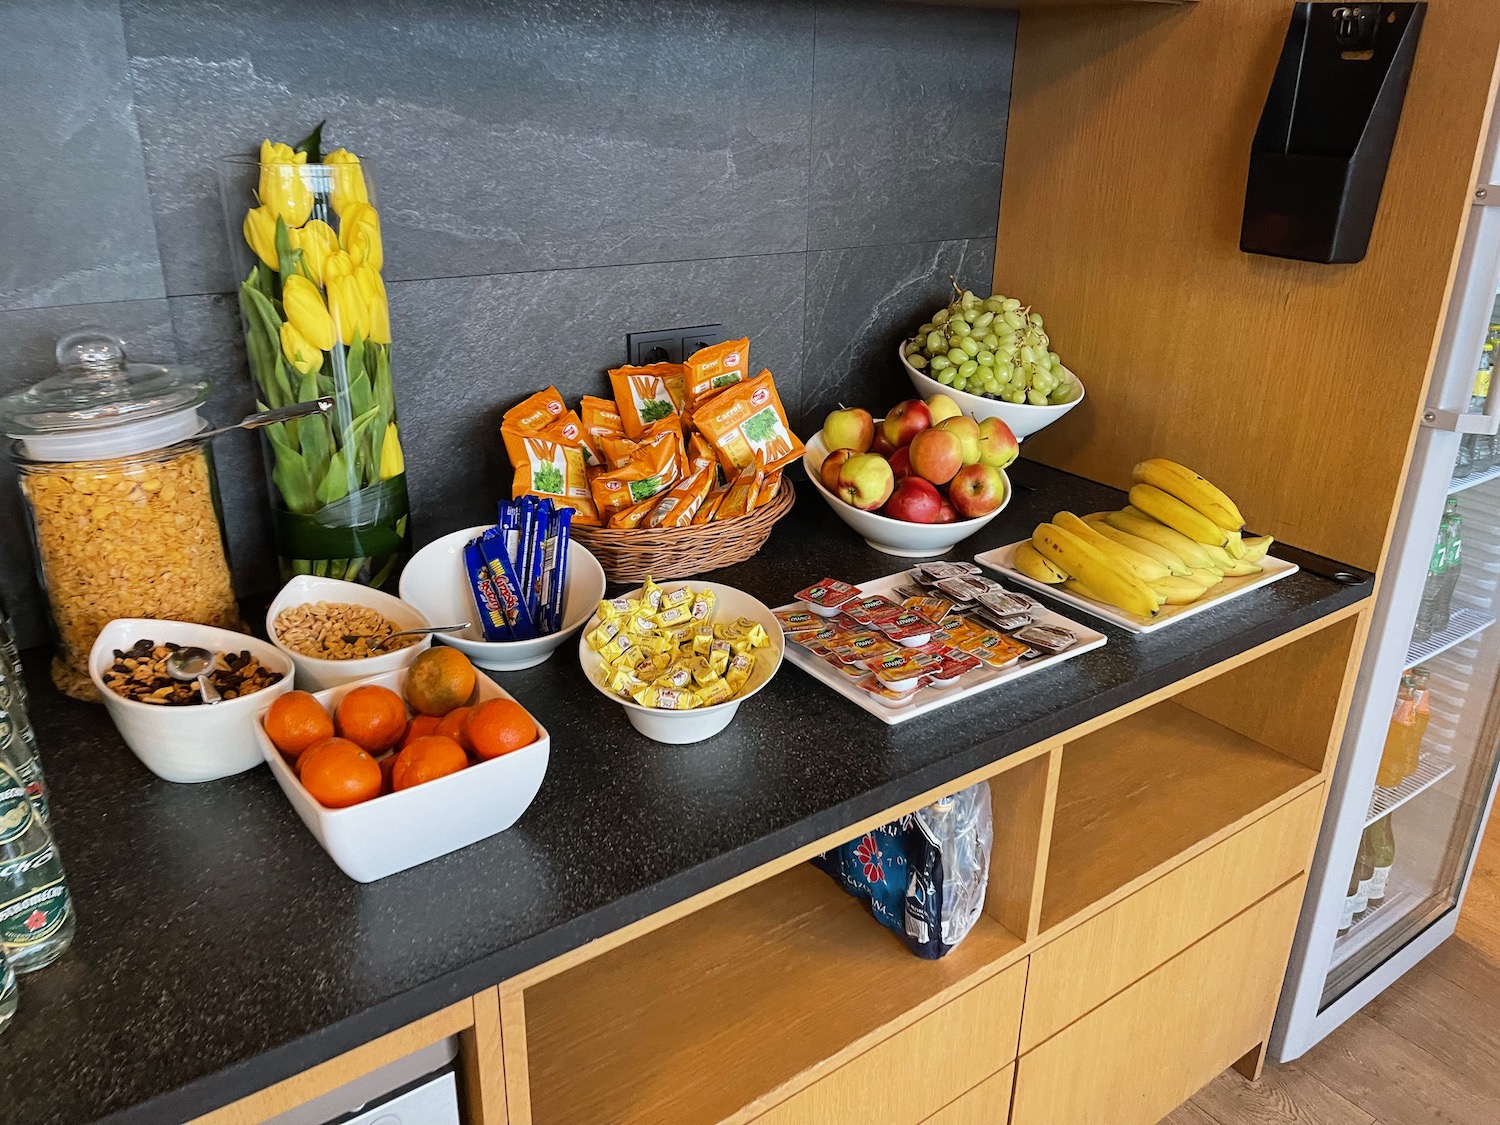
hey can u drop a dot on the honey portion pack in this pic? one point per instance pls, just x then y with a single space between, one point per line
746 423
642 396
709 370
551 468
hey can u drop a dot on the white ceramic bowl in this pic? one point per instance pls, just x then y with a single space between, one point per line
895 537
1022 418
399 830
680 727
436 584
315 673
188 744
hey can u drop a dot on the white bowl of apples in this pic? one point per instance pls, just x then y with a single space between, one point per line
907 494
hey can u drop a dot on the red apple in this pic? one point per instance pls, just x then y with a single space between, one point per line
968 435
829 472
947 514
936 455
865 481
901 462
905 421
977 491
997 444
915 501
881 446
849 428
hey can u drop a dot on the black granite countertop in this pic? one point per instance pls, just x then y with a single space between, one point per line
220 950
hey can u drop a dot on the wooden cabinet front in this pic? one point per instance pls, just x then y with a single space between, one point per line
1138 1056
1087 965
916 1072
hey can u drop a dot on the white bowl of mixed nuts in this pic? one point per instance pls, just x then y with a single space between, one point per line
164 722
334 631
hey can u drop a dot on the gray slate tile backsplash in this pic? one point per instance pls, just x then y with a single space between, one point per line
552 174
76 225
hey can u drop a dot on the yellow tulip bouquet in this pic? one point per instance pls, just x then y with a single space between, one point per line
317 326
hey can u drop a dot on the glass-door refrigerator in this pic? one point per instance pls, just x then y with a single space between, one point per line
1417 774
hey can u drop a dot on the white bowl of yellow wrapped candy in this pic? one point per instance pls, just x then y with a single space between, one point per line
681 658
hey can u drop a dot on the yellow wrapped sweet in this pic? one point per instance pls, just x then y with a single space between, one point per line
703 639
617 647
703 670
601 636
738 672
680 596
719 655
703 605
678 675
651 595
656 642
671 616
624 681
665 698
715 691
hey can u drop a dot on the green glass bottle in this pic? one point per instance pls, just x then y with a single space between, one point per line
36 910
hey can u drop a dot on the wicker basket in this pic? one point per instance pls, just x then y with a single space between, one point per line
630 555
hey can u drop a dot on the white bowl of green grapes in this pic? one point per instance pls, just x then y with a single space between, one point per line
992 356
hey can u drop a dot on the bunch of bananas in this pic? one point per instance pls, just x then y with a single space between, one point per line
1178 538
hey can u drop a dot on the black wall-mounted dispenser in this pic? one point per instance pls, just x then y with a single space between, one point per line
1318 162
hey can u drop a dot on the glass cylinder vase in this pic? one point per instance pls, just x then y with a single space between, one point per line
308 249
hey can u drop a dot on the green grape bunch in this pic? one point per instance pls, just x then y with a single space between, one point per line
993 347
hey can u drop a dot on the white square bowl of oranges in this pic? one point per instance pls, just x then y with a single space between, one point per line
394 770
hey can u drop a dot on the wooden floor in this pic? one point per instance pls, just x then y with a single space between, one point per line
1425 1052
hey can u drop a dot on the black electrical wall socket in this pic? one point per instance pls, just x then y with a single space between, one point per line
670 345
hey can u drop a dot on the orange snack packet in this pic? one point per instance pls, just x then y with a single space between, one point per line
536 412
651 468
618 449
768 489
739 498
569 430
676 384
641 395
551 468
747 423
680 505
632 516
600 416
711 369
710 506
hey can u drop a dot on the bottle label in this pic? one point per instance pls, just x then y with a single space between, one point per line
34 900
1377 883
16 809
1362 897
20 764
1347 918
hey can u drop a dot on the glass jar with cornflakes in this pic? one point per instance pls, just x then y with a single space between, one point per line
122 497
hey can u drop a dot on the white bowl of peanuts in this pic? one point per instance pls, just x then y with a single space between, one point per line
174 735
332 631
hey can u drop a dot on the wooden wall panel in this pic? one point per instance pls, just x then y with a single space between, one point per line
1294 386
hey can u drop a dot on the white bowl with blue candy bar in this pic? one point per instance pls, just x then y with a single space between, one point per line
437 583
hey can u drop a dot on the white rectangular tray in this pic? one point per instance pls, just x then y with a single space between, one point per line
1002 559
931 698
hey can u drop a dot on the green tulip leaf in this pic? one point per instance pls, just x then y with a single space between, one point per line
335 483
312 144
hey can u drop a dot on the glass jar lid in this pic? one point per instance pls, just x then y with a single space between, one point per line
101 405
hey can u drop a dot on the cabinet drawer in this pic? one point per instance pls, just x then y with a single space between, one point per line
1138 1056
986 1104
1088 965
917 1071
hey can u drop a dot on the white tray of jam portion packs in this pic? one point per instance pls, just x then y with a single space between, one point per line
926 699
1002 559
